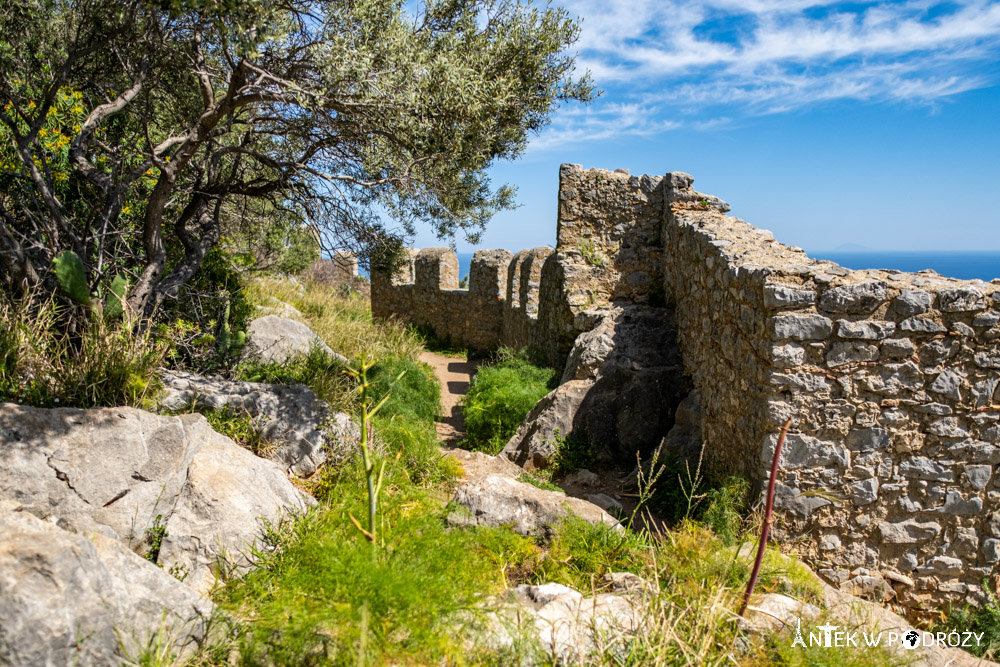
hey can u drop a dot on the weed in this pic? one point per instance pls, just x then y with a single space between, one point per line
243 429
590 254
984 618
102 363
571 454
443 345
154 537
538 481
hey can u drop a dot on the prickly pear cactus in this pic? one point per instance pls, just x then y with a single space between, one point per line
71 276
115 297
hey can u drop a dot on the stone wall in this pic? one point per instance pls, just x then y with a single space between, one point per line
892 380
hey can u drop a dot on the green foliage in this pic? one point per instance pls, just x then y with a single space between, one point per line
205 325
438 344
590 254
571 454
72 277
154 538
240 428
984 618
114 303
415 395
500 396
581 552
725 507
354 110
102 364
320 594
539 481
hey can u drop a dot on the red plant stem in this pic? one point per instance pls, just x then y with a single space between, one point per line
765 529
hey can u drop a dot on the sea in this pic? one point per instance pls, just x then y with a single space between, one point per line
969 265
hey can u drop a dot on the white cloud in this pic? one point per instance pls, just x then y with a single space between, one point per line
697 61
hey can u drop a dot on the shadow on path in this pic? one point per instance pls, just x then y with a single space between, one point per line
454 376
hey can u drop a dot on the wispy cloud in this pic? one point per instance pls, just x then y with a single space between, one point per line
696 62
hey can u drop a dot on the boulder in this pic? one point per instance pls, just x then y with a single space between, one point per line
622 382
477 464
83 599
279 339
150 482
536 440
561 623
496 500
304 429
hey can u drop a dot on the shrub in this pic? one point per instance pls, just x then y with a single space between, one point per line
984 619
500 396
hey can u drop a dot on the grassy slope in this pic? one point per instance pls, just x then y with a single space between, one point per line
321 595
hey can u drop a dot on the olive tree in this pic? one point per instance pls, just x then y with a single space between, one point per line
136 133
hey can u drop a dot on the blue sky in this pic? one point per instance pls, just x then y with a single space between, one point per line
872 123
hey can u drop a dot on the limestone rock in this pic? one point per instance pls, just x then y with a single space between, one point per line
495 500
279 339
561 623
534 443
74 599
773 612
303 427
860 298
477 464
123 472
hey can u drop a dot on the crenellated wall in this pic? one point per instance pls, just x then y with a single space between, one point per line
888 481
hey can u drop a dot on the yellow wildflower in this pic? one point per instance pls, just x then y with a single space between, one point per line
31 104
126 209
77 109
43 132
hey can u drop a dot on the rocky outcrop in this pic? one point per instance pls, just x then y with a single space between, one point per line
496 500
621 385
83 599
147 481
278 340
563 624
303 428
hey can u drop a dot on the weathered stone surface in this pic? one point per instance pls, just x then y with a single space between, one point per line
898 347
912 302
783 296
803 451
535 442
495 500
788 355
867 439
865 329
920 467
858 299
562 623
850 353
961 299
791 499
865 492
909 531
948 384
78 599
303 428
121 471
279 339
921 325
773 612
801 327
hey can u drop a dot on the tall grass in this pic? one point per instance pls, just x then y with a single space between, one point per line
500 397
343 322
103 363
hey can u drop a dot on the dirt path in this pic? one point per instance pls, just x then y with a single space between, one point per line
454 374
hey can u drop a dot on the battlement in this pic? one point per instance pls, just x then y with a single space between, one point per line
891 379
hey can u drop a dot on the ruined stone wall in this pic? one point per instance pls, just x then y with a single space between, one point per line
425 292
892 380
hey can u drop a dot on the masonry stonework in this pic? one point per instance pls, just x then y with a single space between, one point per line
888 478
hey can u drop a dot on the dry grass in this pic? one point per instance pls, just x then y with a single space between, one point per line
344 323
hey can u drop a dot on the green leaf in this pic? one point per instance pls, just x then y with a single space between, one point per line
113 303
71 275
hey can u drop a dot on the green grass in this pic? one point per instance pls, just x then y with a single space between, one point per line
984 619
500 396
